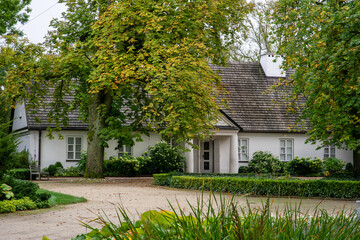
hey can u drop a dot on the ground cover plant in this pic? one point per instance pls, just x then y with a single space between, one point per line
223 218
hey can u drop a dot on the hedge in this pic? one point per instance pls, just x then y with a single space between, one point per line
19 173
272 187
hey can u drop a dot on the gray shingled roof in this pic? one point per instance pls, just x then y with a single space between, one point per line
249 107
38 119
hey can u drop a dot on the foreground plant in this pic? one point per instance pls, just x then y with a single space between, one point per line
223 218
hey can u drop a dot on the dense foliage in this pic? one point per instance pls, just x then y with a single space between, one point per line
12 13
166 158
333 165
264 186
305 166
265 162
9 157
148 57
322 46
225 219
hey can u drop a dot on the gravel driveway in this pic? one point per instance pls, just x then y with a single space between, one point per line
135 194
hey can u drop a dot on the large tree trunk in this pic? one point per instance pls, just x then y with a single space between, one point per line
95 149
356 161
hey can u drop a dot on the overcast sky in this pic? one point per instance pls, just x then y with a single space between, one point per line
43 11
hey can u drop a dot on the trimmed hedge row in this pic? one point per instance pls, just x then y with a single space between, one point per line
273 187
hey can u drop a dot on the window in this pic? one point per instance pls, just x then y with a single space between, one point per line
329 151
74 148
124 149
243 150
286 149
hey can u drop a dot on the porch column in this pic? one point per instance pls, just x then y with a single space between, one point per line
189 158
233 154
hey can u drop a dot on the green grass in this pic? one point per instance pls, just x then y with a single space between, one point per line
61 199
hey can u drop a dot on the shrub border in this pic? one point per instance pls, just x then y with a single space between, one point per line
272 187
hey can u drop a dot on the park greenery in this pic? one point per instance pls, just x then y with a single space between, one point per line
133 66
321 43
224 218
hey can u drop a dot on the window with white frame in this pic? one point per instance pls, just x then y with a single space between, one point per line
74 147
243 150
329 151
124 150
286 149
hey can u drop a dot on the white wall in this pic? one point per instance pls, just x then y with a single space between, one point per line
19 121
271 142
55 150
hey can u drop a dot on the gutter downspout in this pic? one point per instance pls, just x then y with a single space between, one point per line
39 149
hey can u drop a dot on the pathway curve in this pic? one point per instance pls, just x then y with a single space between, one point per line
136 195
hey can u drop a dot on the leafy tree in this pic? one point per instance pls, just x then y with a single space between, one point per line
258 38
13 12
323 46
133 66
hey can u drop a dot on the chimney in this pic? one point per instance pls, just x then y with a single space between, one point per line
271 64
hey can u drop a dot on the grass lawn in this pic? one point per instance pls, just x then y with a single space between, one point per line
61 199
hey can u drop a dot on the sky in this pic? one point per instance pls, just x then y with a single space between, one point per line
43 11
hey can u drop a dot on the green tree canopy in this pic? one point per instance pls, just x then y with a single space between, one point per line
322 44
133 66
13 12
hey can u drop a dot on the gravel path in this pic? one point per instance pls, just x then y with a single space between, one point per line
136 195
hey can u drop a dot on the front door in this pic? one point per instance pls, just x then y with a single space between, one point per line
206 160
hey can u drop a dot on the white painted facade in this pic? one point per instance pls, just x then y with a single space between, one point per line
19 120
56 149
271 142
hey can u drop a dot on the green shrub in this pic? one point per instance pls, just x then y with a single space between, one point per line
5 192
272 187
333 164
53 168
349 167
122 166
81 164
305 166
13 205
9 157
19 173
265 162
21 188
145 165
166 158
68 172
244 169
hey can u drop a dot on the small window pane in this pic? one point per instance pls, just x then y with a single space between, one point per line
206 165
70 155
128 149
206 155
282 143
70 148
206 146
326 150
77 155
70 140
78 148
282 151
289 157
78 141
282 157
289 143
288 150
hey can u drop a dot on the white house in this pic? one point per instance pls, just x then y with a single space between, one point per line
252 122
